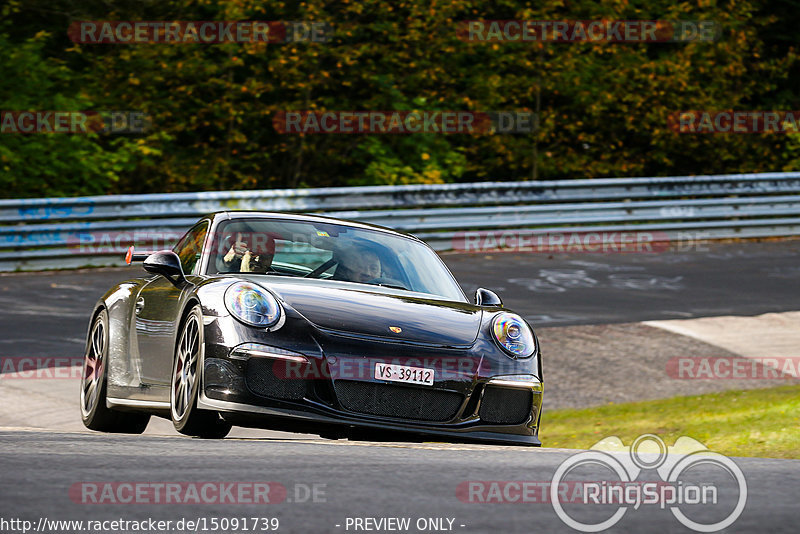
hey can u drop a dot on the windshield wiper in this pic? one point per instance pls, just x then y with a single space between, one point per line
278 273
393 286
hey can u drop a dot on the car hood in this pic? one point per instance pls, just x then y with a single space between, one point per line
357 310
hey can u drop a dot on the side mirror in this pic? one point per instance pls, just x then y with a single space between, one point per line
166 263
484 297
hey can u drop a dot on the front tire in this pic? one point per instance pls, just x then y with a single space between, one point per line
185 384
95 413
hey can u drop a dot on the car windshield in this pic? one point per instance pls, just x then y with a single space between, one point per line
329 251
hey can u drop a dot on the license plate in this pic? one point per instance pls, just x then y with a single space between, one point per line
403 373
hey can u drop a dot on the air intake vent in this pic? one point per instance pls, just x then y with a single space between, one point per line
398 401
262 381
505 406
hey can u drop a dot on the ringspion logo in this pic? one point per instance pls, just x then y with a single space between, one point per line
691 478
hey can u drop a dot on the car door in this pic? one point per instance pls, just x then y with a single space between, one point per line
158 308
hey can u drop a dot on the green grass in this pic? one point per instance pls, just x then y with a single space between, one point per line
758 422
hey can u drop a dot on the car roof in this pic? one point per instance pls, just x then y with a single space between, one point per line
246 214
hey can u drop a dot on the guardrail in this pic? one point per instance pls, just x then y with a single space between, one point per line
93 231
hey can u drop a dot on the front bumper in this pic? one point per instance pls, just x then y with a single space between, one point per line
253 388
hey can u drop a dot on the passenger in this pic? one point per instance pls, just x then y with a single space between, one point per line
243 257
357 265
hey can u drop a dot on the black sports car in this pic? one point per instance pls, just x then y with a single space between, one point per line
308 324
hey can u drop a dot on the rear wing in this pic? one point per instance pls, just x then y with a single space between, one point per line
132 256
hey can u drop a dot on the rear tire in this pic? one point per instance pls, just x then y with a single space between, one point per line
187 418
96 415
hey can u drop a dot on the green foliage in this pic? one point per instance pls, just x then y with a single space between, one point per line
603 107
424 160
52 164
760 422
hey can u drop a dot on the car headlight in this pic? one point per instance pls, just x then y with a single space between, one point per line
513 335
252 305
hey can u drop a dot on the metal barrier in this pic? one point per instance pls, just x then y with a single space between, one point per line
93 231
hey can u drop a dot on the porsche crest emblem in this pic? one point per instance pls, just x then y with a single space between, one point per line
395 329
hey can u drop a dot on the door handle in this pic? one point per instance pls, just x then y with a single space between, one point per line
139 305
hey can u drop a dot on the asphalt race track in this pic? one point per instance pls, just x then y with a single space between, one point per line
45 314
710 280
351 480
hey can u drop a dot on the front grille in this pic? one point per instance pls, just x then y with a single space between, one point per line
505 406
398 401
261 380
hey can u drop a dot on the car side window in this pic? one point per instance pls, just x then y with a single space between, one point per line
190 247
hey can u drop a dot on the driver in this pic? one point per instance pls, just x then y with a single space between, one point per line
244 258
358 265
